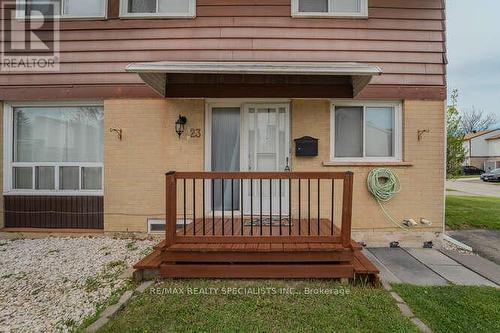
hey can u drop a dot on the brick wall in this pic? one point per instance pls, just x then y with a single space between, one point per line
135 167
422 183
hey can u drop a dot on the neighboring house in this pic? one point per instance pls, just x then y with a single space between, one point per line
483 149
88 146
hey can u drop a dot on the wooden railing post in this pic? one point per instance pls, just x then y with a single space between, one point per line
347 209
171 208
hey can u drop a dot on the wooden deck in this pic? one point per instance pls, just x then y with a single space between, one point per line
257 246
261 259
238 227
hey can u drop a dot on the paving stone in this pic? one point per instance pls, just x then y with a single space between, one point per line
484 242
432 257
397 297
480 265
406 268
421 325
385 273
144 286
448 268
405 310
387 286
97 325
462 275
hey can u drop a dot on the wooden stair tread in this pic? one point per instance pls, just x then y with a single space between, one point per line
151 261
257 271
362 265
256 247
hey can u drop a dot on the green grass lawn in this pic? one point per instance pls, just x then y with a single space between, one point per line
468 176
472 212
454 308
364 309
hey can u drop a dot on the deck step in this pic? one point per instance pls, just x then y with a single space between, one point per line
153 260
261 257
257 271
257 247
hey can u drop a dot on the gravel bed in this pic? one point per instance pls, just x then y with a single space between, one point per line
53 284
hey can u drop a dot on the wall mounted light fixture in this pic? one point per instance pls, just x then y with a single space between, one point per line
118 131
180 125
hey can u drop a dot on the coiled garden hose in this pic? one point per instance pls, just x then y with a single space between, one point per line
384 184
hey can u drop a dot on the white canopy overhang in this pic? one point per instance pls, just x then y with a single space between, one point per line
156 74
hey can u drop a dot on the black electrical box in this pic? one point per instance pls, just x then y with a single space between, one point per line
306 146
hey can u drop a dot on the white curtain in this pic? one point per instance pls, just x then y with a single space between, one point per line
84 8
226 153
348 132
379 132
58 134
68 134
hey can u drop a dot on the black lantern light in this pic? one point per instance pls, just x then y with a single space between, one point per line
180 124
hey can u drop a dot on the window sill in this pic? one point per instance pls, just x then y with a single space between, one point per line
63 18
367 163
88 193
156 16
329 15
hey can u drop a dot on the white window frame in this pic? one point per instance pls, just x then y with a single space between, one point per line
362 14
9 164
125 14
21 13
398 130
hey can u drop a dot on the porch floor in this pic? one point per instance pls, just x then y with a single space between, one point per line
235 226
273 259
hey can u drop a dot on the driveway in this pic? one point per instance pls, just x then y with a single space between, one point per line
484 242
472 187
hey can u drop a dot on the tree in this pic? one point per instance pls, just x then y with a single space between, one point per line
455 151
476 120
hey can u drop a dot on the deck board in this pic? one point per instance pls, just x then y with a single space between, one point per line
234 227
225 256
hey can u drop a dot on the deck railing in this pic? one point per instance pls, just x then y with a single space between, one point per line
258 207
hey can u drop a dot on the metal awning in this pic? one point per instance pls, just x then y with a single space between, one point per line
159 75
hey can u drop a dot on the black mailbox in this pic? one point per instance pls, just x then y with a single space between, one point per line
306 146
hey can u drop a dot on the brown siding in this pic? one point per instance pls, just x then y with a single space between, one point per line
404 37
57 212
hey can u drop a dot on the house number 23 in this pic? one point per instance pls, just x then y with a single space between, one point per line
195 132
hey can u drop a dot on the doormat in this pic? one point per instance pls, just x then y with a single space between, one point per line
266 221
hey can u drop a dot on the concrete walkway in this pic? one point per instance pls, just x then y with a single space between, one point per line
430 267
484 242
472 187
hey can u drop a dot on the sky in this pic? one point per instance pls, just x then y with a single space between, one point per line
473 41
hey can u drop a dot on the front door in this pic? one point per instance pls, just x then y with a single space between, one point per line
250 137
266 147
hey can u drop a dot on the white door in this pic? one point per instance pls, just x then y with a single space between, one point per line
266 147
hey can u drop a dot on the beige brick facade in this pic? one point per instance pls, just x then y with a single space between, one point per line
135 166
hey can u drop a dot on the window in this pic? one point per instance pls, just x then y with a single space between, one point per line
366 132
55 148
62 8
158 8
355 8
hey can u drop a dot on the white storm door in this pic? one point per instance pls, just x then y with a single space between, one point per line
266 147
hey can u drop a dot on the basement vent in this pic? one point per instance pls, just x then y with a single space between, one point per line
158 226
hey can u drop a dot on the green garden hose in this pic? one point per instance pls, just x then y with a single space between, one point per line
384 184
